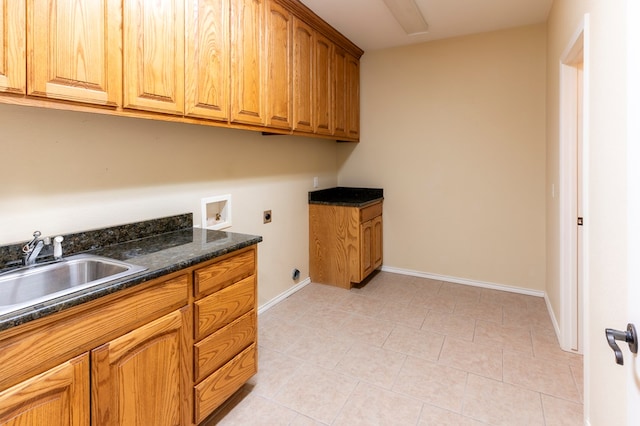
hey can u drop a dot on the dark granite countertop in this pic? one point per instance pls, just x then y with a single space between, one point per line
161 254
346 196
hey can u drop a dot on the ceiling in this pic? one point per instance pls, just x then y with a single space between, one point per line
370 25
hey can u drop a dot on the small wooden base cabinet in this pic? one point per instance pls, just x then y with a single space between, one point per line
166 352
345 243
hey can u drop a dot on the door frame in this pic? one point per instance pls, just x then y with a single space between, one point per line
633 186
572 302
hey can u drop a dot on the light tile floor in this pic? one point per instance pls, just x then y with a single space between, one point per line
403 350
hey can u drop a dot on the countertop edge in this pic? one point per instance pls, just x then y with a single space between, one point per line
348 203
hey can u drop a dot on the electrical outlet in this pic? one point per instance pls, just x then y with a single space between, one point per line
315 181
266 216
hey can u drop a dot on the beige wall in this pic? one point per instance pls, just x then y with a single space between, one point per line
66 171
454 131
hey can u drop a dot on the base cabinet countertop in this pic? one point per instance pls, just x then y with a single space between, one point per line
166 350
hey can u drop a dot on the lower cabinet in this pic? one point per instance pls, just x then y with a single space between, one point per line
167 352
139 378
345 243
57 397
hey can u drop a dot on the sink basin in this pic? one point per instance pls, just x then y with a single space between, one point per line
29 286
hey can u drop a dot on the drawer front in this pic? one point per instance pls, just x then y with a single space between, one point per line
222 274
215 389
225 306
220 347
370 212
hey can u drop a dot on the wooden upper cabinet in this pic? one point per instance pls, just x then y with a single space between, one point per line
256 64
303 60
353 101
57 397
323 85
154 55
340 93
207 59
12 47
247 61
279 50
74 50
140 378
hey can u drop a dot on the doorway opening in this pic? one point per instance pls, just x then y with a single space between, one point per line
573 138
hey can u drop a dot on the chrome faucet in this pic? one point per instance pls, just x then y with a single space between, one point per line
32 249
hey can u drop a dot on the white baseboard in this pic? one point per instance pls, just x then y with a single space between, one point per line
465 281
279 298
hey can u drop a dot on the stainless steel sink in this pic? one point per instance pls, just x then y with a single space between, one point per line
28 286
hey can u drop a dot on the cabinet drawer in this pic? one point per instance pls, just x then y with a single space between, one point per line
223 307
220 347
224 273
215 389
368 213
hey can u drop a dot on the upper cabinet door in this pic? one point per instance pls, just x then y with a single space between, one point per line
247 61
154 55
207 65
74 50
279 47
12 47
303 60
353 85
340 93
323 85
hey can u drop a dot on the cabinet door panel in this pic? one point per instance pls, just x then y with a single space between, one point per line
279 24
154 55
12 47
208 60
353 85
303 60
323 85
59 396
247 61
376 243
366 238
139 378
74 50
340 93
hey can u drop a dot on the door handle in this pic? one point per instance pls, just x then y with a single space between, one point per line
630 336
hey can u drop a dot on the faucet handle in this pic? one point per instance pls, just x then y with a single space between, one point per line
29 246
